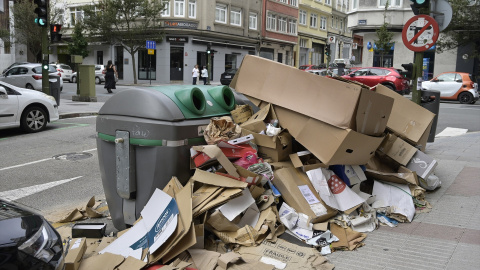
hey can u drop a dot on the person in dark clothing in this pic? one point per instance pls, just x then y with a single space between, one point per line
110 74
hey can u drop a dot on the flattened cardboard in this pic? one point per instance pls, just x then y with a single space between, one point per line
378 170
332 145
287 181
105 261
408 120
398 149
373 113
131 263
74 257
216 180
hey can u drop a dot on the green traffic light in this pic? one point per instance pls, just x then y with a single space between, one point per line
45 67
420 2
42 22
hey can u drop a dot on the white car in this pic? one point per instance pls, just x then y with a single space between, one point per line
28 76
29 109
65 71
99 75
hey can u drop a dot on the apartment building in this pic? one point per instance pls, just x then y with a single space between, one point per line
339 35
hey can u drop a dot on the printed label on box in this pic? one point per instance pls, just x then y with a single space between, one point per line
308 194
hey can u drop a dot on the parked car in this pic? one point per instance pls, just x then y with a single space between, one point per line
454 86
29 109
389 77
306 67
321 72
65 71
27 240
28 76
99 75
227 76
12 65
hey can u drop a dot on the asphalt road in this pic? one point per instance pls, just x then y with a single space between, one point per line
57 169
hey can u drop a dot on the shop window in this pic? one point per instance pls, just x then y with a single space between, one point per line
146 66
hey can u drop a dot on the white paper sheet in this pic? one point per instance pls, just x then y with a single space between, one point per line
395 195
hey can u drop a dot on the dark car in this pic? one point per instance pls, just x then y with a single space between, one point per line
227 76
27 240
389 77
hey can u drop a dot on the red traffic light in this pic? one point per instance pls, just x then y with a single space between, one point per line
56 28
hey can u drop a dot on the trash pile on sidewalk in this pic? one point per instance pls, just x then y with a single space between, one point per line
315 167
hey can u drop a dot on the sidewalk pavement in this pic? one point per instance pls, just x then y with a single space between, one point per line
448 237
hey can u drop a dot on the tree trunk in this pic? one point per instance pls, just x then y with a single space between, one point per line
134 68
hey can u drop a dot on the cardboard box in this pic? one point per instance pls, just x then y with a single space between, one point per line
332 145
299 193
258 122
278 148
378 169
422 164
337 103
74 256
306 161
408 120
397 149
89 230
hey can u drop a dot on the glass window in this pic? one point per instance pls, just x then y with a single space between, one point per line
355 4
302 17
192 8
323 23
292 26
361 72
391 3
447 77
252 21
221 13
236 16
179 8
313 20
282 1
271 22
294 3
341 24
328 2
303 42
282 24
230 61
166 10
146 66
376 72
76 15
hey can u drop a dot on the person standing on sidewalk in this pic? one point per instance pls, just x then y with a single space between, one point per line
195 73
204 75
110 75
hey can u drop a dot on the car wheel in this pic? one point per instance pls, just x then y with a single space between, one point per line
74 79
97 80
389 87
465 98
29 86
34 119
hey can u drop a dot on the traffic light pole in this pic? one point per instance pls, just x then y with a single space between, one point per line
416 76
45 82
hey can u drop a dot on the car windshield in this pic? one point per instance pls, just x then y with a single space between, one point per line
303 67
65 67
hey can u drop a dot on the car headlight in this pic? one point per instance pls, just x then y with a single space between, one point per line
43 245
51 98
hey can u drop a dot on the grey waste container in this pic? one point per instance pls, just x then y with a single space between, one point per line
145 136
341 69
54 81
432 105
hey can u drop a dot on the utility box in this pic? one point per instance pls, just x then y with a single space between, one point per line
54 81
144 139
86 84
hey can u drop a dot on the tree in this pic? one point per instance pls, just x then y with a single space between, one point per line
79 43
128 23
384 42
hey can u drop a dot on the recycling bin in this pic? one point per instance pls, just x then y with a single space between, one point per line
144 139
432 105
54 81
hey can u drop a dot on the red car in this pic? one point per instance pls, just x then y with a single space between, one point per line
306 67
389 77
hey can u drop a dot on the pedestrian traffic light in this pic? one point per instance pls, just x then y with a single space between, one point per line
42 12
55 35
419 4
209 48
409 70
45 64
327 50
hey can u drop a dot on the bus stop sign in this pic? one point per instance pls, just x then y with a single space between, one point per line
420 33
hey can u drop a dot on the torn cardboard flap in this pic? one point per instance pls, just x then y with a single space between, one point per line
306 161
214 151
241 113
74 257
105 261
257 123
216 180
397 149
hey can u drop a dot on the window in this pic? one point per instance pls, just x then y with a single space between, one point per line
336 22
294 3
333 22
271 22
354 4
221 13
341 24
313 20
252 21
292 26
282 24
391 3
303 42
192 8
236 16
76 15
447 77
179 8
146 66
302 17
166 11
323 23
283 1
230 61
328 2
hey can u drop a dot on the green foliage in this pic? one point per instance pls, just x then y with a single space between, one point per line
464 28
384 42
128 23
79 43
26 31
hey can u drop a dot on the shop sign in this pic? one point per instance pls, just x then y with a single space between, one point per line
180 24
177 39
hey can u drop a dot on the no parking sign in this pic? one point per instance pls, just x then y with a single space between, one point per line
420 33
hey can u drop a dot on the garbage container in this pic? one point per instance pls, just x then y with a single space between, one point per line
432 105
144 138
54 81
341 69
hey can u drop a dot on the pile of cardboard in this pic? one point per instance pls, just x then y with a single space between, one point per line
311 169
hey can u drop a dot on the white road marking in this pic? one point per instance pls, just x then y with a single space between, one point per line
37 161
12 195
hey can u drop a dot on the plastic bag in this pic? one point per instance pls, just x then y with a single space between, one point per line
248 159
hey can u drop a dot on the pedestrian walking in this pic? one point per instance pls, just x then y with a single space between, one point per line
204 75
110 75
195 73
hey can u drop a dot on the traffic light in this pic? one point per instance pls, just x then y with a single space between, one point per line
409 70
55 35
45 64
327 50
419 4
42 12
208 48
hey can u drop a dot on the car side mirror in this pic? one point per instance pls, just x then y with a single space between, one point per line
3 92
435 80
352 75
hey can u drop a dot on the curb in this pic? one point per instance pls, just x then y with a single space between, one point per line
73 115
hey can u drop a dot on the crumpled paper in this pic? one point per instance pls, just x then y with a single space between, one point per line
221 129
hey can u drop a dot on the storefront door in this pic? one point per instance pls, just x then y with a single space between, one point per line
176 63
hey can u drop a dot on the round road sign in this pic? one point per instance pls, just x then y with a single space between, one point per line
420 33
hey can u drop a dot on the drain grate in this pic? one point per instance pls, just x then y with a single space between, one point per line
73 156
